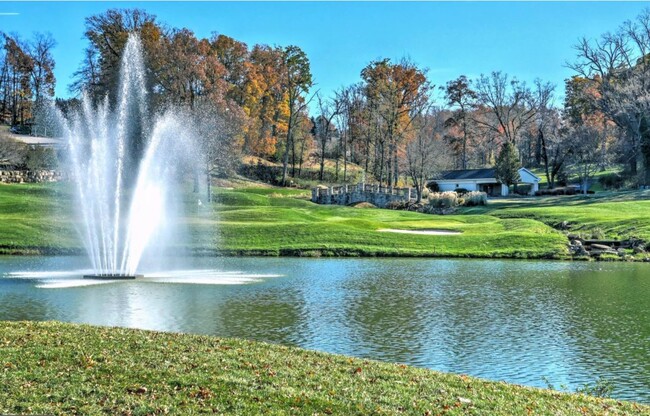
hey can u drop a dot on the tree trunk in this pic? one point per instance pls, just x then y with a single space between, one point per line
322 160
285 157
208 181
196 181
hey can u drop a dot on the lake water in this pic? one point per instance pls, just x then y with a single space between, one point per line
517 321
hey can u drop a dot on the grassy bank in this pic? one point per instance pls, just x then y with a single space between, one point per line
270 221
617 215
62 369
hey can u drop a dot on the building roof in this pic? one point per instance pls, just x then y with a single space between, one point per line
467 174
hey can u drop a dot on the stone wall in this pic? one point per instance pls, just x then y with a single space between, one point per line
28 176
350 194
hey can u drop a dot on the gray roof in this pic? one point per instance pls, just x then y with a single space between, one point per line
468 174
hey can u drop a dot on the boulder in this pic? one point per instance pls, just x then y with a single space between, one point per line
600 247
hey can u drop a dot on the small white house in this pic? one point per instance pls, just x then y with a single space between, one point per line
483 180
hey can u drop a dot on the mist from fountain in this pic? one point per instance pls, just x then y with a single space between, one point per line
123 193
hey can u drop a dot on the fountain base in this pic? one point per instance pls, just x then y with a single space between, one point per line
109 276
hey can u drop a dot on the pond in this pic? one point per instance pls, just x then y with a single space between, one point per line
518 321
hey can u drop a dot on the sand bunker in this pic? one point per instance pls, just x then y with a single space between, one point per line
420 232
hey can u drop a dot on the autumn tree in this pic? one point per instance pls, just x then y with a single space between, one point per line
234 57
107 34
296 82
397 93
263 101
16 81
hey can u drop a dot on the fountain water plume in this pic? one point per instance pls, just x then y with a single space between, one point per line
122 170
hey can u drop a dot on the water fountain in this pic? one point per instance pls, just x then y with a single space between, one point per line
123 166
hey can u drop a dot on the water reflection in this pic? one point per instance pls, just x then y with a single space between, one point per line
504 320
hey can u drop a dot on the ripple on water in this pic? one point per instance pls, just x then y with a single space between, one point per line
71 278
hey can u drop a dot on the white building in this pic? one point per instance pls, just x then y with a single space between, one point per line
483 180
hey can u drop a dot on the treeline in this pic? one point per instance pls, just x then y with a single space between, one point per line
26 76
388 122
255 100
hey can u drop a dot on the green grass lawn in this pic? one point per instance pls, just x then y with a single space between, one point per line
616 215
270 222
273 221
63 369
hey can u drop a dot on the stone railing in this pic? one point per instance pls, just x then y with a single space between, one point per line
375 194
29 176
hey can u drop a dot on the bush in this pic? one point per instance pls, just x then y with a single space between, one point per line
569 190
612 181
433 187
39 158
443 199
524 189
474 198
461 191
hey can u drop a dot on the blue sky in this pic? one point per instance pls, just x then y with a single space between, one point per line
526 39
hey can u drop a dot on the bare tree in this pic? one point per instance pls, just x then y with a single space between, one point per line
617 63
425 153
510 102
585 154
323 127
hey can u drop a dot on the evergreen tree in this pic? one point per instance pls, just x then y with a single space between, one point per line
507 165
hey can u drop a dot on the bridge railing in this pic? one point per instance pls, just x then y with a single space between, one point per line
361 187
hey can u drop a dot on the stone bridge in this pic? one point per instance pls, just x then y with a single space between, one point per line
377 195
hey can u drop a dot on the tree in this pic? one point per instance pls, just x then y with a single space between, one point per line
107 34
618 65
296 82
507 164
397 93
323 127
426 153
42 74
510 103
17 71
585 154
459 95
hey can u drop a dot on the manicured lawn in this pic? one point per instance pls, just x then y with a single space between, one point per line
63 369
36 218
602 215
272 221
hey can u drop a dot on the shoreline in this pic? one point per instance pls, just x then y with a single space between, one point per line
327 253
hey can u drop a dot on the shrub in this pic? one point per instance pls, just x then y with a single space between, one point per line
475 198
524 189
443 199
461 191
433 187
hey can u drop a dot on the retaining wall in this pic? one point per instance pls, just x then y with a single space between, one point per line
28 176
